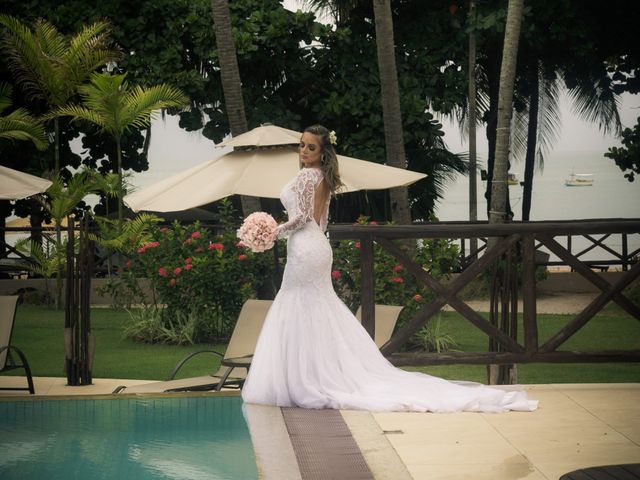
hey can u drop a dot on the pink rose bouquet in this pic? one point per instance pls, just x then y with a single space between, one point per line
258 231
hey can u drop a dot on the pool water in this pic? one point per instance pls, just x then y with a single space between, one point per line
203 437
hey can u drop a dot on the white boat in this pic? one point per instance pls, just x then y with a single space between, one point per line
579 180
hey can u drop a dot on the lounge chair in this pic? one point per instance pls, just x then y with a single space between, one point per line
234 364
386 319
8 306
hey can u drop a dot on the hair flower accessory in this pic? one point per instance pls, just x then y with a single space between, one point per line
333 138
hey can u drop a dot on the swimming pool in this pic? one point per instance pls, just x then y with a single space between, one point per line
177 437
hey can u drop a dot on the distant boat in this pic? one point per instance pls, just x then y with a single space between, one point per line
579 180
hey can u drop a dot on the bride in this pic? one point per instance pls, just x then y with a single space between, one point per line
312 351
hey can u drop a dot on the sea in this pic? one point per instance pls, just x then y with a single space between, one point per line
610 196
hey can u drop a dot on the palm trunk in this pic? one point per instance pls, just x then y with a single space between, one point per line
532 144
231 83
498 212
120 189
390 94
473 165
56 162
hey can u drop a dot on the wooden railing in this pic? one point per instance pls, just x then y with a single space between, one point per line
513 245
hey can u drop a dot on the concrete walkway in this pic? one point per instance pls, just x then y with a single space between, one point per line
576 426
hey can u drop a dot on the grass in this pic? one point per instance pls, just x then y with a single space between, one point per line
39 333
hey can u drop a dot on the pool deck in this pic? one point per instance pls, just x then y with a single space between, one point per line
576 426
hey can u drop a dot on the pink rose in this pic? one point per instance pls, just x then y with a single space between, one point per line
162 272
196 234
177 271
397 279
188 266
216 246
398 268
188 260
242 257
336 274
357 244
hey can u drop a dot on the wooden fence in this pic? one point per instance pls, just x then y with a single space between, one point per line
515 245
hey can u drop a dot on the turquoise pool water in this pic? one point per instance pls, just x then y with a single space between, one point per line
126 438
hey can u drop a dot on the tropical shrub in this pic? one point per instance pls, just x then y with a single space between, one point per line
202 278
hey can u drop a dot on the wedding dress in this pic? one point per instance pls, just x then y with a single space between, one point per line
313 352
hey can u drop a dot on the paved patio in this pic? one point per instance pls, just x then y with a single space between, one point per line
576 426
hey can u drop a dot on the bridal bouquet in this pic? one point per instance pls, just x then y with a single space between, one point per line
258 231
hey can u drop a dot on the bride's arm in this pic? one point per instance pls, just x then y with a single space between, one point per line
304 189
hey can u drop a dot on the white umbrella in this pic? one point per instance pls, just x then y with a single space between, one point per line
15 185
259 173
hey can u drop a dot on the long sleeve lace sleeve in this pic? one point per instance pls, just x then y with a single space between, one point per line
303 188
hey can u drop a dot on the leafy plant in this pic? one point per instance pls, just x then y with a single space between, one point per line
432 338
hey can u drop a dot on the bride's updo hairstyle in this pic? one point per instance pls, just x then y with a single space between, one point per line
329 160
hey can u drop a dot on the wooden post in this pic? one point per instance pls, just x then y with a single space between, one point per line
529 293
368 286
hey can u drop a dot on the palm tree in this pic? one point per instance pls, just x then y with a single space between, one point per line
390 96
19 124
48 66
231 83
473 187
110 103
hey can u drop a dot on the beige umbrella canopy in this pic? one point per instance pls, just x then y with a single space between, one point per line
15 185
258 172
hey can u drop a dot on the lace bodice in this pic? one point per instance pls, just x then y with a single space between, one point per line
298 199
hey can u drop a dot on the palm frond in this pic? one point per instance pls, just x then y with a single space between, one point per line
141 103
595 101
24 57
20 125
64 199
5 96
77 112
134 232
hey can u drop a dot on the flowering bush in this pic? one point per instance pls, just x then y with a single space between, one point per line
198 274
394 285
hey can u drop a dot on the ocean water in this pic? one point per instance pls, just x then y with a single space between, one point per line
611 196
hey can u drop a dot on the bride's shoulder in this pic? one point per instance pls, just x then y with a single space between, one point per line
309 174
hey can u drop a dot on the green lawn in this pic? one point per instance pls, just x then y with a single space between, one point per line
39 333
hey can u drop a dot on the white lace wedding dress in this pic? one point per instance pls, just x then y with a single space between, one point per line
313 353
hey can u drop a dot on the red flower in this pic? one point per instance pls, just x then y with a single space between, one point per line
242 257
357 244
177 271
188 260
129 264
417 297
216 246
142 250
196 234
373 222
397 279
162 272
172 282
336 274
398 268
188 266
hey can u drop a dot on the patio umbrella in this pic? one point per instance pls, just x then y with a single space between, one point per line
259 173
15 185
